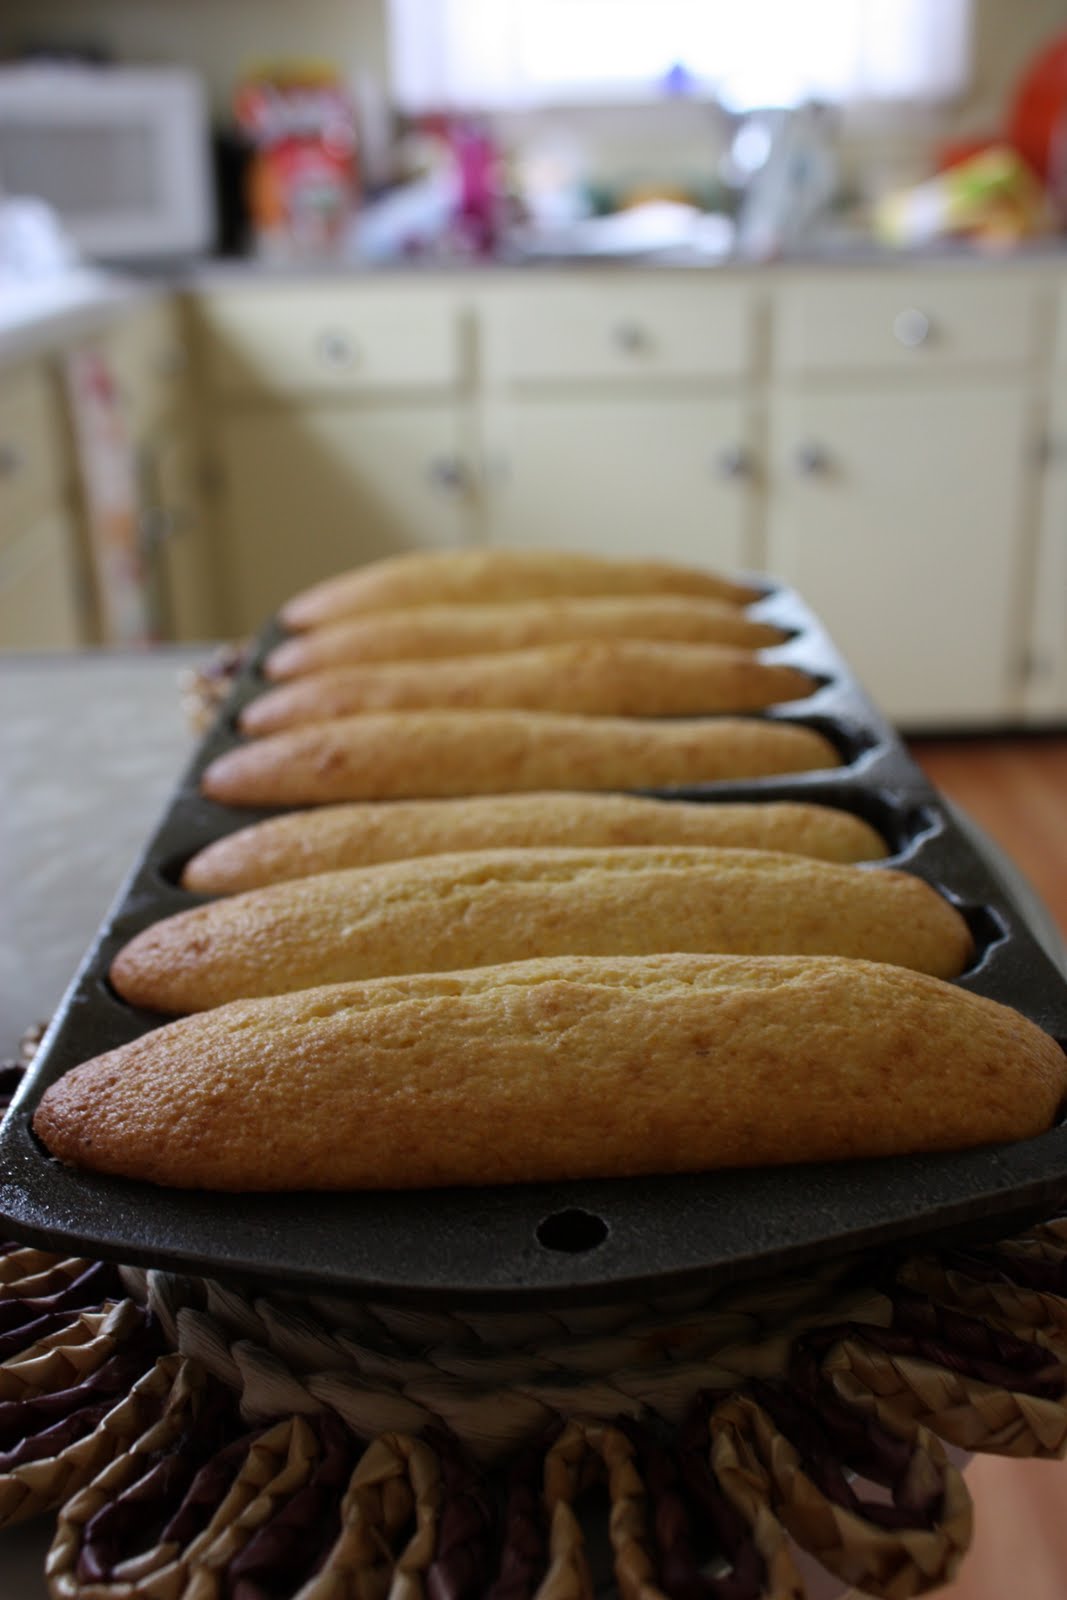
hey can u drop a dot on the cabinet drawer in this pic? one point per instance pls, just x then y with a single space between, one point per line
616 330
33 460
315 341
905 322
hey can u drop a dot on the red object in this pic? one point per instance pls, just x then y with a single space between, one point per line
961 150
1037 122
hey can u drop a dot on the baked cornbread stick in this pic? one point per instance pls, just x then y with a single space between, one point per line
419 633
479 909
444 576
578 1067
363 833
404 755
601 677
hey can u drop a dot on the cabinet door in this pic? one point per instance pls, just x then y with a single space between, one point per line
669 476
184 555
147 355
312 492
40 600
34 463
1046 691
899 518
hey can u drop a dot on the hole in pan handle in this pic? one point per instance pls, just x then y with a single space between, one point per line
571 1231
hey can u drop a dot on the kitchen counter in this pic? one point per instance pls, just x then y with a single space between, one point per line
845 249
239 272
36 318
90 747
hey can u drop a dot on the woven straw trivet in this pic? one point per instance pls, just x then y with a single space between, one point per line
270 1447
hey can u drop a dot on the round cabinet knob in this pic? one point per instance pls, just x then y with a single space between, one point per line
10 459
336 349
734 462
447 473
912 328
629 337
813 461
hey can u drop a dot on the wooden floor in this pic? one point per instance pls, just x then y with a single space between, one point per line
1016 790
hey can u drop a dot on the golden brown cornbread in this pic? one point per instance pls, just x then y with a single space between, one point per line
572 1068
445 913
425 632
602 677
403 755
472 576
363 833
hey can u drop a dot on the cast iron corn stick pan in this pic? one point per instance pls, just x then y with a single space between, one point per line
562 1242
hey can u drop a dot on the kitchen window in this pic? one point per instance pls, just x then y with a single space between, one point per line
497 54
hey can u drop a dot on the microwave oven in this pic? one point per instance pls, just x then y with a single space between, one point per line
121 154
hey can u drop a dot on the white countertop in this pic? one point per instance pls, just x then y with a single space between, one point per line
36 317
90 748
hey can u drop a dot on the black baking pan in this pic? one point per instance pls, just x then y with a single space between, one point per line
562 1241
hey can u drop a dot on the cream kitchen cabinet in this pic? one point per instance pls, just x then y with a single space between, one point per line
178 534
133 424
624 329
673 475
619 416
896 515
307 493
334 341
148 354
867 435
903 429
343 431
40 599
42 580
906 324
